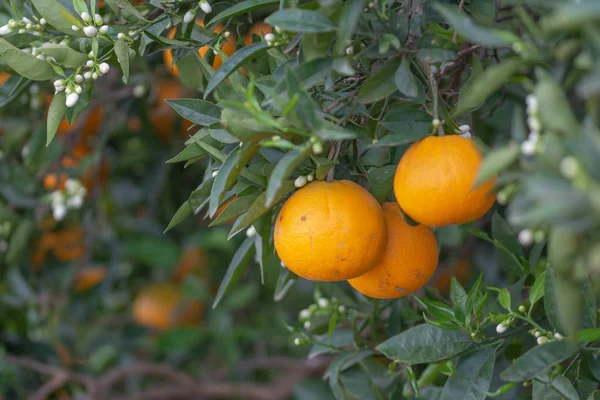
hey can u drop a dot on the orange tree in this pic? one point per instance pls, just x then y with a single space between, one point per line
353 152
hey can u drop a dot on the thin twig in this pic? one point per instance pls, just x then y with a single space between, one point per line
435 95
460 7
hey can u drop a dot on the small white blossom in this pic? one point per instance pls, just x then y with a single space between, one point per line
91 55
436 122
98 19
205 7
528 148
278 29
297 342
87 75
94 76
72 99
104 68
59 82
59 88
215 52
349 50
59 212
250 232
532 103
51 59
307 325
501 328
227 34
269 37
121 36
558 336
34 51
534 124
282 265
40 57
522 308
542 340
90 63
74 28
43 21
537 334
300 181
317 148
502 198
569 166
464 128
75 202
28 26
104 29
304 314
68 90
78 78
215 173
310 177
71 186
138 91
466 135
26 20
276 138
86 17
22 30
189 16
323 302
525 237
90 31
342 309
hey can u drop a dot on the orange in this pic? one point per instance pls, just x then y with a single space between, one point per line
434 182
228 48
193 261
41 249
408 262
461 271
259 29
330 231
162 306
53 182
162 115
69 244
89 277
4 77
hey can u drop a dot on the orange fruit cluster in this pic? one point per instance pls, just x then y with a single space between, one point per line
66 245
337 231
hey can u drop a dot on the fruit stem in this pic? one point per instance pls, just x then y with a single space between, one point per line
334 151
434 94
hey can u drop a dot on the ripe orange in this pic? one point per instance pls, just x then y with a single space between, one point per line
88 277
259 29
461 271
54 182
434 182
408 262
162 115
194 261
228 48
330 231
162 306
69 244
4 77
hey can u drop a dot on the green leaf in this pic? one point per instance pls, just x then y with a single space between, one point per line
262 243
122 53
19 241
560 385
458 296
424 344
283 170
188 153
474 33
300 21
405 80
309 74
258 208
381 182
25 64
329 131
488 83
503 234
323 166
571 16
243 7
198 111
351 13
551 301
555 110
496 161
379 85
58 16
235 270
245 126
473 376
435 55
285 281
64 55
305 106
589 335
127 9
184 211
471 103
228 173
537 360
544 391
537 290
503 297
406 124
80 6
155 252
236 208
56 112
233 63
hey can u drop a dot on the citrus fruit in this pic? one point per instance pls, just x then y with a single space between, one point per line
162 306
408 262
162 115
330 231
88 277
434 182
4 77
461 271
228 47
259 29
69 244
193 261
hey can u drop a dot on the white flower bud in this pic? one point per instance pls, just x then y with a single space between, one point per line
537 334
205 7
59 212
87 75
68 90
5 30
525 237
317 148
75 202
558 336
215 52
51 59
501 328
297 342
350 50
78 89
59 88
542 340
104 29
78 78
90 31
323 302
22 31
28 26
98 19
304 314
90 63
72 99
342 309
26 50
569 167
250 232
531 101
86 17
278 29
227 34
307 325
436 122
74 28
466 135
282 264
64 42
528 148
534 124
276 138
310 177
91 55
43 21
104 68
34 51
300 181
26 20
464 128
94 76
121 36
138 91
40 57
269 37
434 69
59 82
215 173
189 16
522 308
